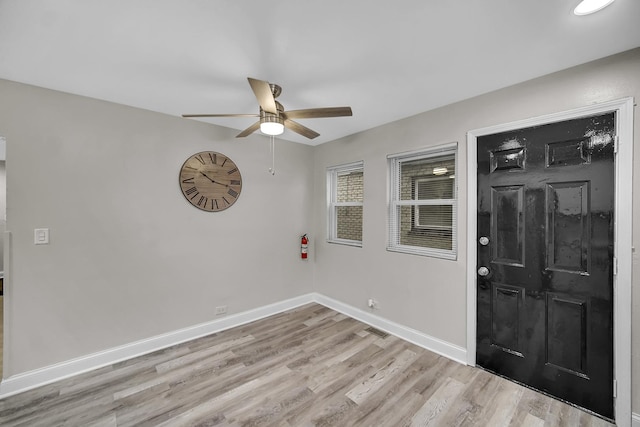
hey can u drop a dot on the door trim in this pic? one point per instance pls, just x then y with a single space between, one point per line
622 236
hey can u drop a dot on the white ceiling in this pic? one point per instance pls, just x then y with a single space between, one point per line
386 59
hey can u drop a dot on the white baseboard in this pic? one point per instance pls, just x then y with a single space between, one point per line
443 348
39 377
635 420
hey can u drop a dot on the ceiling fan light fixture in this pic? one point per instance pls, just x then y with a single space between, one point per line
271 128
587 7
271 124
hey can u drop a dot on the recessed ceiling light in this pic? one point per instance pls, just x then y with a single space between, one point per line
590 6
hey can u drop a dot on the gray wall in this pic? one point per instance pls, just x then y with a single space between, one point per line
129 258
3 208
429 294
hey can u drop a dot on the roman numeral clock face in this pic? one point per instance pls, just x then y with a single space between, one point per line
210 181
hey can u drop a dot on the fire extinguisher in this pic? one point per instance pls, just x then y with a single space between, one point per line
304 242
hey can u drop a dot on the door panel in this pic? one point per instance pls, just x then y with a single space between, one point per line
568 231
567 336
507 226
506 306
545 306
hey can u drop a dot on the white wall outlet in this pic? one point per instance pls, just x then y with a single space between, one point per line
41 236
222 309
371 303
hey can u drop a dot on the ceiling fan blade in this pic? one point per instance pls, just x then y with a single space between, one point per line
262 90
302 130
221 115
248 131
314 113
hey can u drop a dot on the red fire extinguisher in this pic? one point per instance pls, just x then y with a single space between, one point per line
304 246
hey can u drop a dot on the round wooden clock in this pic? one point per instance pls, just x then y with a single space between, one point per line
210 181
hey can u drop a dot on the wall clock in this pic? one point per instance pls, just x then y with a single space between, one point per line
210 181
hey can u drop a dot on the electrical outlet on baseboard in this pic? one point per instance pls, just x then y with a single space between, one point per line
221 309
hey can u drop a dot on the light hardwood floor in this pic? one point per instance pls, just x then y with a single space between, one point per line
306 367
1 332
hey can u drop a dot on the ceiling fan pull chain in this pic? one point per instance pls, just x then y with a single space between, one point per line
272 146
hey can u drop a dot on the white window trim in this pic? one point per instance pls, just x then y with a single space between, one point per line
332 204
394 161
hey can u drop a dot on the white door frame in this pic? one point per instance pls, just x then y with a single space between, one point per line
622 237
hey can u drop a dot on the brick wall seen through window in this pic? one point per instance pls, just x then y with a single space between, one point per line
346 196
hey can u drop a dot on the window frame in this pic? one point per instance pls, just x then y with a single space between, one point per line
395 162
332 204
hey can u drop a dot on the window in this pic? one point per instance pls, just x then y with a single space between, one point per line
423 202
345 191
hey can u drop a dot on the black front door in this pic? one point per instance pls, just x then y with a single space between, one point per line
545 259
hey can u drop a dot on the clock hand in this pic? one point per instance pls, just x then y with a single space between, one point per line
203 174
215 182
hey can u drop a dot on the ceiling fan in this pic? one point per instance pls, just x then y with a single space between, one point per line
273 117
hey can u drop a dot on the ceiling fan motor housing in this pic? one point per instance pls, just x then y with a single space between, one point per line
275 90
266 117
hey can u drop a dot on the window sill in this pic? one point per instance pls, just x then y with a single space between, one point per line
355 243
433 253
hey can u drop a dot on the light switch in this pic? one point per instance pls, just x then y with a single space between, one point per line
41 236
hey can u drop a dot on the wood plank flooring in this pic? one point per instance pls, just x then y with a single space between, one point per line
306 367
1 332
